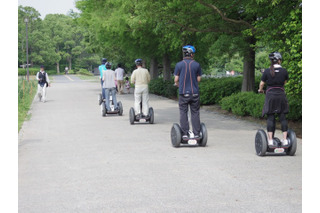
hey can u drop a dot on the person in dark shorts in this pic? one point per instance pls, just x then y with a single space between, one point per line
187 75
276 102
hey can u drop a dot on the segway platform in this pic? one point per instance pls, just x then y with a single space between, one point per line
113 110
141 118
262 147
177 140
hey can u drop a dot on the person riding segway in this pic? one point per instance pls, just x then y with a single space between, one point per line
141 111
187 76
276 103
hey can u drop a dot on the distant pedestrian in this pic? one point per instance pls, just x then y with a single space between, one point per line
127 85
66 70
43 83
187 75
119 76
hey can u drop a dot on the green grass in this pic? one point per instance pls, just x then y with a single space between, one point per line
88 78
26 93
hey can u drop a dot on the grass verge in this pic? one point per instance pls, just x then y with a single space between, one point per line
26 93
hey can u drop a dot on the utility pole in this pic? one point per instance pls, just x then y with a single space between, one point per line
26 20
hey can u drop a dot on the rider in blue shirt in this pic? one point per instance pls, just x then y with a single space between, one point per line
102 68
187 75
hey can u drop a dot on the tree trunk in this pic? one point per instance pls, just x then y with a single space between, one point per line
58 67
154 68
249 66
166 67
70 63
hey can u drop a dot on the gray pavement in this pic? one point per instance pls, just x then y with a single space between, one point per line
71 159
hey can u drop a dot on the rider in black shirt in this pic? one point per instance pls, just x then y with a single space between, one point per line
276 102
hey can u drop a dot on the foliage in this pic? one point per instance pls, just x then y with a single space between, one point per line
33 71
251 104
57 40
164 88
26 93
84 72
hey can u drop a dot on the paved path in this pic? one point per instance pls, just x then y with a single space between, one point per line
73 160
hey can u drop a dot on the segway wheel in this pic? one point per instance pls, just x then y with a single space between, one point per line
120 107
293 142
204 135
176 135
151 114
103 109
100 98
131 115
261 142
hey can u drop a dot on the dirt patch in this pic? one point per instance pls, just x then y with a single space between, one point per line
294 125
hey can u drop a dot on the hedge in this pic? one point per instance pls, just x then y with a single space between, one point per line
251 104
164 88
33 71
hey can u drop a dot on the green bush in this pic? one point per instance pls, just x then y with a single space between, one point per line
164 88
33 71
214 89
251 104
84 72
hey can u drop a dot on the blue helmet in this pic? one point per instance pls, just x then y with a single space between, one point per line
188 50
138 62
103 60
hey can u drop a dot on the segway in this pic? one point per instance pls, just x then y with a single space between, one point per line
141 118
262 147
100 99
113 110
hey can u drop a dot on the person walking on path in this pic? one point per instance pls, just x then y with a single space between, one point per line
109 86
102 68
187 75
119 77
43 83
141 78
275 102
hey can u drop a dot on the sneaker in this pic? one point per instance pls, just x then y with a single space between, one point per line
284 142
270 142
185 137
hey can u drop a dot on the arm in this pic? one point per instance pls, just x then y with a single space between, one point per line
176 80
199 78
133 78
260 90
37 77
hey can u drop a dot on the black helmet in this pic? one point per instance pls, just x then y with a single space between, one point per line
108 65
103 60
188 50
138 62
275 57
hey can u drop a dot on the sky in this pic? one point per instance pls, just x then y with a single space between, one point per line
45 7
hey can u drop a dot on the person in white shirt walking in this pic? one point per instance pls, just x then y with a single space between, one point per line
141 78
119 77
43 83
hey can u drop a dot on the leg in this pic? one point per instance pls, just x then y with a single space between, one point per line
103 91
39 92
114 97
121 86
271 125
118 86
195 114
183 108
145 101
107 94
137 100
284 125
44 92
